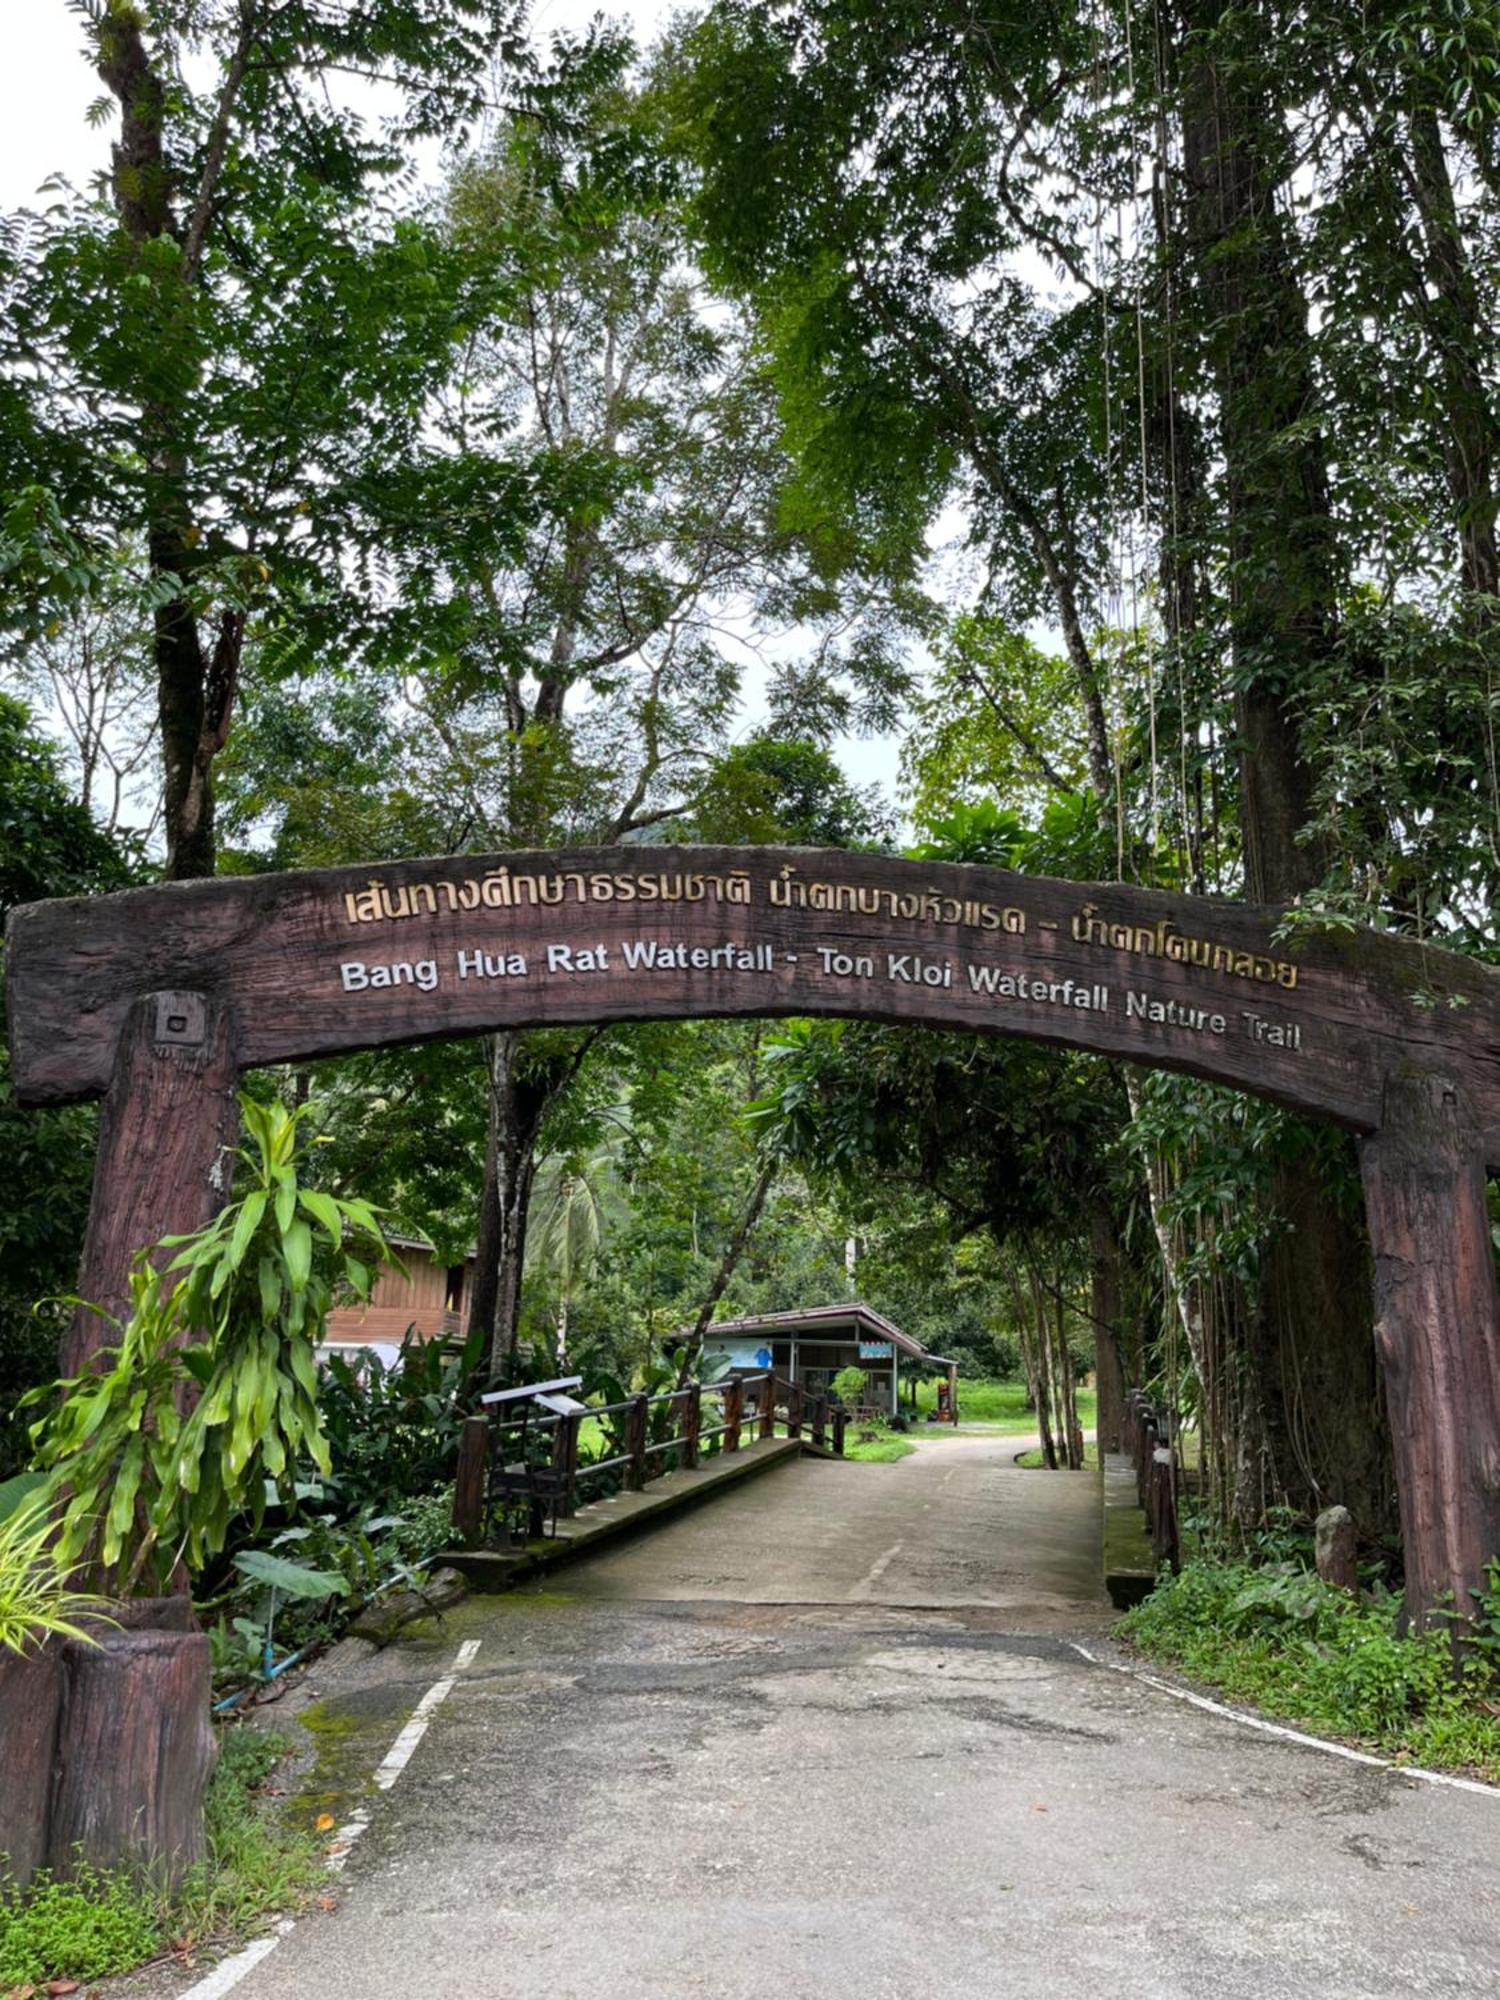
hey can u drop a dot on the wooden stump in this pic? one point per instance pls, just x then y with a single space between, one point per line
135 1751
30 1698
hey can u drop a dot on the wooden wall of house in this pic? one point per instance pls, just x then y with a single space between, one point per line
416 1295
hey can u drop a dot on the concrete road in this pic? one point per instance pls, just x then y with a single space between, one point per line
834 1735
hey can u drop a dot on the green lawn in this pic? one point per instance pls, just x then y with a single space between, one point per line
1032 1460
998 1406
882 1450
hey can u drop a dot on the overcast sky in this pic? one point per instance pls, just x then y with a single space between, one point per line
47 85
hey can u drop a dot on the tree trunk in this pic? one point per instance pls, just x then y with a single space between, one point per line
733 1251
516 1109
1109 1368
1281 545
1316 1382
1331 1443
195 688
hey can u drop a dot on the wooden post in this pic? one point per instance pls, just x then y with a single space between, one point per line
471 1480
952 1394
565 1460
692 1418
635 1442
820 1422
734 1408
794 1410
840 1418
768 1405
168 1117
1437 1331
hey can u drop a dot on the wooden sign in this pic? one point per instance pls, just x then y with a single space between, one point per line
158 999
313 964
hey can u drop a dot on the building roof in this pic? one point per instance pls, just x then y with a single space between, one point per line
852 1318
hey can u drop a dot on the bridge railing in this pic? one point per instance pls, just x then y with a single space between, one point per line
532 1461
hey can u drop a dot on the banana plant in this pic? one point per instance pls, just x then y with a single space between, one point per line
207 1405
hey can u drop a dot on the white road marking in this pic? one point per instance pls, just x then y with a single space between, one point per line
1417 1772
876 1571
228 1973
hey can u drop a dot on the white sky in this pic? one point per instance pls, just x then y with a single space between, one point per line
47 86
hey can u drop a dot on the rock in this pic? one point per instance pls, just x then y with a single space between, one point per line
1334 1546
379 1622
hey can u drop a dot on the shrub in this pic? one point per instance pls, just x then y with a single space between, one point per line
36 1601
393 1432
84 1928
234 1315
849 1386
1281 1638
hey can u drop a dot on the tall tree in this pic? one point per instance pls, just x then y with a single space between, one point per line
212 348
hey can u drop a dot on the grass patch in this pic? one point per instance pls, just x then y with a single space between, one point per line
883 1449
97 1924
1278 1637
1000 1405
1033 1460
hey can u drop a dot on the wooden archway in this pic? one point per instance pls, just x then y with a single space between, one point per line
157 1000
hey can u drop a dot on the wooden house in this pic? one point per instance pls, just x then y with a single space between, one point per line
421 1295
814 1345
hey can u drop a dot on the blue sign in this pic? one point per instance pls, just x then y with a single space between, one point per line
875 1350
763 1357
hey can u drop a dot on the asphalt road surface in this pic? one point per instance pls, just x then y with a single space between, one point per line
833 1735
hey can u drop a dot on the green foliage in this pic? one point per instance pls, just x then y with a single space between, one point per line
48 847
37 1601
1277 1636
849 1385
235 1312
393 1431
97 1924
88 1927
876 1445
775 788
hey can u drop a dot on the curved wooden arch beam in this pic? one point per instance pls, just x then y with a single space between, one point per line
327 961
158 997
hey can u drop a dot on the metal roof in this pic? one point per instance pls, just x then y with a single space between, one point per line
818 1319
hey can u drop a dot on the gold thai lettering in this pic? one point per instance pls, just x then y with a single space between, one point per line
1165 940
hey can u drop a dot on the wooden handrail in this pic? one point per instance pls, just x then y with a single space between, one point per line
486 1441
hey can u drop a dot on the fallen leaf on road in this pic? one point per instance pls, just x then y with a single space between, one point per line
323 1823
1038 1808
328 1902
63 1985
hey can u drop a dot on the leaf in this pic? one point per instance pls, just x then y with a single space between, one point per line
291 1579
323 1208
251 1210
286 1198
297 1249
324 1823
14 1491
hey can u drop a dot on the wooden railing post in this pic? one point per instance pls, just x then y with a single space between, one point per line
734 1408
565 1460
840 1418
794 1410
471 1480
820 1422
635 1442
692 1418
768 1406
